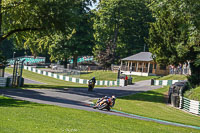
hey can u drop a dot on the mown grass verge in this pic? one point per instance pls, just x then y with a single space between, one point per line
173 77
25 117
152 104
99 75
49 82
193 94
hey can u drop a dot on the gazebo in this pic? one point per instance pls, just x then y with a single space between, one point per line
142 64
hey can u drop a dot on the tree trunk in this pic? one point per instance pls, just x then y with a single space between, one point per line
75 58
115 36
65 62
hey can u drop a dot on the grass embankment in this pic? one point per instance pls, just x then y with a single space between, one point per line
173 77
24 117
109 75
99 75
49 81
152 104
193 94
140 78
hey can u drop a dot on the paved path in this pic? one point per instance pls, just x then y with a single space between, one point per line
27 81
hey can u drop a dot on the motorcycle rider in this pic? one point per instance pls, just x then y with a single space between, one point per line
110 101
94 81
91 86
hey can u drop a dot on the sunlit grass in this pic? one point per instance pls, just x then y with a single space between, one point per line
25 117
152 104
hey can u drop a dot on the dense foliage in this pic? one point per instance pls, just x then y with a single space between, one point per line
65 29
40 24
120 28
175 35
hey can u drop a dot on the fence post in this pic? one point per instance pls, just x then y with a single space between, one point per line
8 82
181 102
152 81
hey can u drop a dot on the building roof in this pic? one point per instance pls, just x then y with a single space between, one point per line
142 56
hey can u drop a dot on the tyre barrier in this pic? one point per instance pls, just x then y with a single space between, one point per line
175 97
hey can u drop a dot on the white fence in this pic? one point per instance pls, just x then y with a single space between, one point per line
70 79
190 105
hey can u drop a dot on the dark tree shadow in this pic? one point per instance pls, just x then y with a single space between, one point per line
44 86
8 102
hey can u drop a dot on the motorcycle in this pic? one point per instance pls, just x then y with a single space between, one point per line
90 85
105 103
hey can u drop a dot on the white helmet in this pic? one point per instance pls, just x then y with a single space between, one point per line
113 97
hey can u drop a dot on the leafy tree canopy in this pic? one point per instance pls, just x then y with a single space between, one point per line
123 25
39 24
175 35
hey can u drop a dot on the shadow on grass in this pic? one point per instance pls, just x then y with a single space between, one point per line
44 86
86 72
8 102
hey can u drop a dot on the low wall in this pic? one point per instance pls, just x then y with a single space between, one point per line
164 82
70 79
3 82
135 73
190 105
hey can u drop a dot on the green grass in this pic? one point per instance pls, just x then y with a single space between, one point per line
174 77
109 75
193 94
140 78
49 81
99 75
152 104
149 104
26 117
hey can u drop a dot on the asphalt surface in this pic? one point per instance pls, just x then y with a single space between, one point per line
80 98
74 97
26 81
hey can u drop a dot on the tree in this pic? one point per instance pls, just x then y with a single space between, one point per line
174 37
122 24
3 60
80 42
45 25
34 24
106 57
41 16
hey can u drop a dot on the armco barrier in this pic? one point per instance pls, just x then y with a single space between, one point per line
164 82
70 79
190 105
